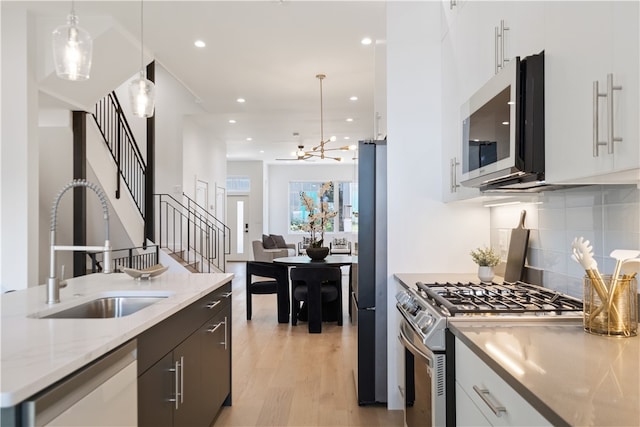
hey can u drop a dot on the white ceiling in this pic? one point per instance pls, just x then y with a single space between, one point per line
267 52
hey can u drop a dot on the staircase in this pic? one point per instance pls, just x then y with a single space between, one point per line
190 234
186 231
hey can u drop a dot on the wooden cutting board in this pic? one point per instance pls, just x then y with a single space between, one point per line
517 251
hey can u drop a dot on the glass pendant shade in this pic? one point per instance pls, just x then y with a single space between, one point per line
72 49
142 93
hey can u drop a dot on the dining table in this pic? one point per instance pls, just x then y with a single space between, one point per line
329 261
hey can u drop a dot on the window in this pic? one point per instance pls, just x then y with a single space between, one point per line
238 184
343 199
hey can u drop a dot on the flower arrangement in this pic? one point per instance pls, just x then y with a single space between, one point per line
318 217
485 257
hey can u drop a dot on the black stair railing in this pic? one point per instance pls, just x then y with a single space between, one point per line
117 135
187 230
137 257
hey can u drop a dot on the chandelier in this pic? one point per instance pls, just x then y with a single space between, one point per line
320 150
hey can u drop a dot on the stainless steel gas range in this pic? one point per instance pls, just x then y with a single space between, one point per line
426 310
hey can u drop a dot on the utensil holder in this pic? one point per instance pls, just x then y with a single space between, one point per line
613 314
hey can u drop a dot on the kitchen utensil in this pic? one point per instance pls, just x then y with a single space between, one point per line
631 267
583 254
517 251
620 255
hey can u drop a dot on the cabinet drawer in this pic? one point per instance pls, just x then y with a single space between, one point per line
500 404
467 413
159 340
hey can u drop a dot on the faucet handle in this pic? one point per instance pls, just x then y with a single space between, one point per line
62 283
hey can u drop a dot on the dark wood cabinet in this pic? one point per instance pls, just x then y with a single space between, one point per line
184 364
216 364
154 394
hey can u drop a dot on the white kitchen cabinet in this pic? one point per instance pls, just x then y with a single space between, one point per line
479 51
468 61
586 41
494 401
452 127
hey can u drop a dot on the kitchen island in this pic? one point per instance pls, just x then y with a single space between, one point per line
37 352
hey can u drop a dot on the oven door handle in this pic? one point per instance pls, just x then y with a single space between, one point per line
402 337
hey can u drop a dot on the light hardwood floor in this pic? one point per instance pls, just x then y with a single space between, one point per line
284 376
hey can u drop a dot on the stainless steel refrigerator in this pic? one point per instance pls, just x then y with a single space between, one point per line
369 293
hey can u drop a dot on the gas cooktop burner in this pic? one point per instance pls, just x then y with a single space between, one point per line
508 298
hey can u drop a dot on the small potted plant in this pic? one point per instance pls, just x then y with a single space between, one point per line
486 258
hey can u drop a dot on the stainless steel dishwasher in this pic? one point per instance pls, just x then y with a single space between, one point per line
101 394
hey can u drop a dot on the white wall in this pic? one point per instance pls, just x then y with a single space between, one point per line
19 193
424 235
173 102
204 159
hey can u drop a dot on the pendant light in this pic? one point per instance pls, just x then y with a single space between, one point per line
142 92
319 150
72 47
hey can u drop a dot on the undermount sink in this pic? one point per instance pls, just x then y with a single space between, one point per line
105 308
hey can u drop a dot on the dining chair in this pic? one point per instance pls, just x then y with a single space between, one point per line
321 289
268 278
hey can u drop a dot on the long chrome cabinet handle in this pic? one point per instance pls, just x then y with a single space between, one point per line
227 294
215 327
503 28
496 49
225 332
176 380
454 175
611 138
181 379
213 304
484 395
596 119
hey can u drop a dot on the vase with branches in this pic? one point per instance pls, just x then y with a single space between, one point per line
319 215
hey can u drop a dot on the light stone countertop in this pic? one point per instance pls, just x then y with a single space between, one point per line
571 377
36 352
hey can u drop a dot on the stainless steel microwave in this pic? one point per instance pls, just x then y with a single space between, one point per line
503 129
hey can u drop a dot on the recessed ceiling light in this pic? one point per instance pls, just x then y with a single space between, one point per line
232 121
366 41
199 43
249 139
349 119
347 137
240 100
353 98
261 151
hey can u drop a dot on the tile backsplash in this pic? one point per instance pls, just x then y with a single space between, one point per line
607 216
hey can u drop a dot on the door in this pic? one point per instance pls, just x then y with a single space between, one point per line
186 357
155 391
238 222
